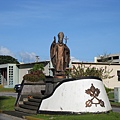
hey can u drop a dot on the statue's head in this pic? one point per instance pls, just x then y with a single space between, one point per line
60 37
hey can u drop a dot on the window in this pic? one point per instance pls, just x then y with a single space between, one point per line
118 74
10 75
115 57
109 58
99 60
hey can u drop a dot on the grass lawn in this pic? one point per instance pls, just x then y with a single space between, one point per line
103 116
7 103
111 95
6 89
111 98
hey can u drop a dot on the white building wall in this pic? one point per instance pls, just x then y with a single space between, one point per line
22 72
47 69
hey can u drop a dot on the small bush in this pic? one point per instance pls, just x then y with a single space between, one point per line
36 73
34 76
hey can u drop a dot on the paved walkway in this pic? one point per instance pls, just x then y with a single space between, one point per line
8 94
116 109
9 117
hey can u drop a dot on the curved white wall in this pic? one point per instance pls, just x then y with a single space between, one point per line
71 96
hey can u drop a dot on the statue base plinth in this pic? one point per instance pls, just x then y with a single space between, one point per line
59 76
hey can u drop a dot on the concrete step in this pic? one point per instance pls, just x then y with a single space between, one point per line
31 103
38 96
29 107
34 100
19 109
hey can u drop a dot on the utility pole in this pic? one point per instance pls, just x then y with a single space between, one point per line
37 58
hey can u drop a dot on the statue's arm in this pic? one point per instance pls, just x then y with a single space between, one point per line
67 54
52 50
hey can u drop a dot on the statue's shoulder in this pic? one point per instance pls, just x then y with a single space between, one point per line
66 46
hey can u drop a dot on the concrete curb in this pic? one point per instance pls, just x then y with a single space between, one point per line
12 117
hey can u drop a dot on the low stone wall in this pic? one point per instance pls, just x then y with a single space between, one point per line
29 89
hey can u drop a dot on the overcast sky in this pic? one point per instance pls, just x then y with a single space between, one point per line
27 27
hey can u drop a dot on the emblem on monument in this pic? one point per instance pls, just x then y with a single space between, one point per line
94 93
60 56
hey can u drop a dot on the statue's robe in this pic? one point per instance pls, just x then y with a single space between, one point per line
60 56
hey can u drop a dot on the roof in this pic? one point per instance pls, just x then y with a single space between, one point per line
97 63
47 61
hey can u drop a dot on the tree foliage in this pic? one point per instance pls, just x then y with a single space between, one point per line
7 59
38 67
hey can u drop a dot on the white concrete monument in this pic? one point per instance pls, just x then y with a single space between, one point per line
85 95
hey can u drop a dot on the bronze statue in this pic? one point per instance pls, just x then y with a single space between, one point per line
60 56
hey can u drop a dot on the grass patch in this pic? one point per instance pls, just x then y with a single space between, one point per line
6 89
107 116
111 98
7 103
115 104
111 95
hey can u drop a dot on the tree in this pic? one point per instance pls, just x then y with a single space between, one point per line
7 59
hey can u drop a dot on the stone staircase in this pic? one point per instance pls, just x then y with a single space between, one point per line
29 104
30 97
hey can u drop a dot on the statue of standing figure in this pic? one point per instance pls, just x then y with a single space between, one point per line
60 56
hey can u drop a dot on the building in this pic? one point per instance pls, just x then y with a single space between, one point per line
112 58
11 74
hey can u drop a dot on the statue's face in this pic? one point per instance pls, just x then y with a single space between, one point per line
60 36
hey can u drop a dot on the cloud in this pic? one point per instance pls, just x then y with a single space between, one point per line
5 51
22 56
73 59
27 57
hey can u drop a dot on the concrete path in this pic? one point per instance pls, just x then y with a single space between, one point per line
9 117
116 109
8 94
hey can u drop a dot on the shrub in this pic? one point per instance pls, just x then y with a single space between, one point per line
82 70
34 76
36 73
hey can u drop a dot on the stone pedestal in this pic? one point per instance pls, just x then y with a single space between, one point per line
29 89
